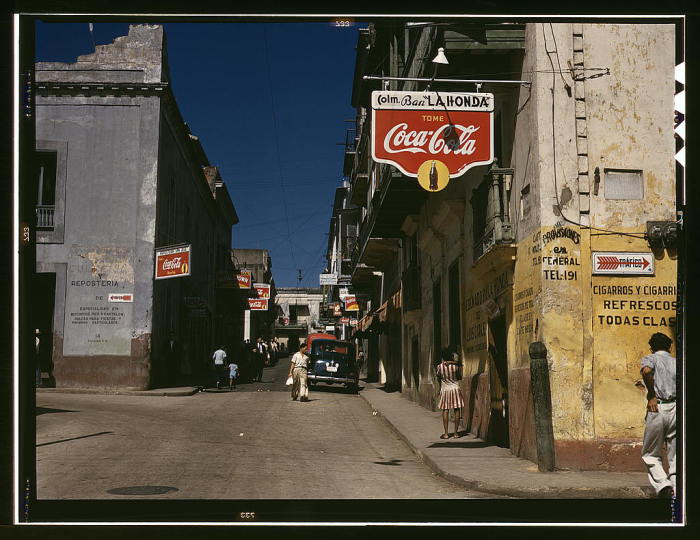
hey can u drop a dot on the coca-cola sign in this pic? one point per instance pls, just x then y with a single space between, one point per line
452 128
257 304
173 262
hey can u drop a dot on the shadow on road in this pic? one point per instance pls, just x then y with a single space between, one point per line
47 410
75 438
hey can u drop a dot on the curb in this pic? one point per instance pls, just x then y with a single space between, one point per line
187 391
632 492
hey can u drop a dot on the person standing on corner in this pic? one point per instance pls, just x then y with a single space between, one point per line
659 374
298 371
450 393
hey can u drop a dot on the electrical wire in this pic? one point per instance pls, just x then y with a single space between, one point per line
276 138
554 156
556 50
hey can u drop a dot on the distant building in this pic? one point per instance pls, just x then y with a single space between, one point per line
298 313
118 175
259 263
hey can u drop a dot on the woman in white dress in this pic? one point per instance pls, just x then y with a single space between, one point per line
298 371
450 393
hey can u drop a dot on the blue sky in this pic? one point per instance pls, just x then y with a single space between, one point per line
269 103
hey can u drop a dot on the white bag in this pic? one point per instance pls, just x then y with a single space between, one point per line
289 381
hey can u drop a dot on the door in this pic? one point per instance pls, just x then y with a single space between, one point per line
498 379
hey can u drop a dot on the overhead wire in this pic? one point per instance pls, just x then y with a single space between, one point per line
276 139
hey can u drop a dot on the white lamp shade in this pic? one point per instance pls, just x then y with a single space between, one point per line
440 58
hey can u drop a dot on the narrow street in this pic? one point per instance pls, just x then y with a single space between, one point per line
253 442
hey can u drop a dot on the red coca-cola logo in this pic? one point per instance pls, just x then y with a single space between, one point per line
171 264
409 138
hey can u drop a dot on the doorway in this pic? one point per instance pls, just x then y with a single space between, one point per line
415 362
43 310
498 379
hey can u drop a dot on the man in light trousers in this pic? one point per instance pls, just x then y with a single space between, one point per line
298 371
659 374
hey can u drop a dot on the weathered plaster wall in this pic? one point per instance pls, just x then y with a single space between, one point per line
630 125
111 147
594 341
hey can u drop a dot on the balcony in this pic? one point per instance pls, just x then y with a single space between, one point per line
491 204
44 217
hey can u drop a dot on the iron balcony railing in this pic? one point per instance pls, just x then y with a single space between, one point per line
498 227
44 217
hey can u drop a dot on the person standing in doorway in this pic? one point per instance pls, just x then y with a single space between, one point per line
659 374
450 393
37 357
298 372
219 368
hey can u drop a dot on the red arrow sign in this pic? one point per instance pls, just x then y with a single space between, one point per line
612 263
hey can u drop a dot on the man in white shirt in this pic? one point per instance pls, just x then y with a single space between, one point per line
298 371
659 374
219 369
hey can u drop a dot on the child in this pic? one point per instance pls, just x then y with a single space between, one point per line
232 375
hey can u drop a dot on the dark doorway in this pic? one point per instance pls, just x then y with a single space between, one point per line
43 309
415 362
453 305
437 320
498 379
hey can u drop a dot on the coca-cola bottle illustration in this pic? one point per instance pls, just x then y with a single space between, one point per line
433 176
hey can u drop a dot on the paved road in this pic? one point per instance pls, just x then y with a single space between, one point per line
254 442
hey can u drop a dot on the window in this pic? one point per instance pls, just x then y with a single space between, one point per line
623 184
491 211
525 202
45 178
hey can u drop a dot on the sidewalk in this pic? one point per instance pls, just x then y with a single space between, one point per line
478 465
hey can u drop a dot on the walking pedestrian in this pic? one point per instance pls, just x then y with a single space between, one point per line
232 374
219 369
259 359
450 393
659 374
298 372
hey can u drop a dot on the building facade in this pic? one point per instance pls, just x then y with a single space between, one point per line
258 265
118 176
509 254
298 314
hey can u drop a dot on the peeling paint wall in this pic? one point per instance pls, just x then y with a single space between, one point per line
595 328
110 146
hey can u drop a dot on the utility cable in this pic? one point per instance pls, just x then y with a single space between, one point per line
276 139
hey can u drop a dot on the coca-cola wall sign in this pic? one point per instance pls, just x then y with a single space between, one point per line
173 262
454 129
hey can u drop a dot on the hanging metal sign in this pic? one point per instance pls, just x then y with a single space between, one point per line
351 303
432 136
328 279
262 289
244 279
257 304
172 262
